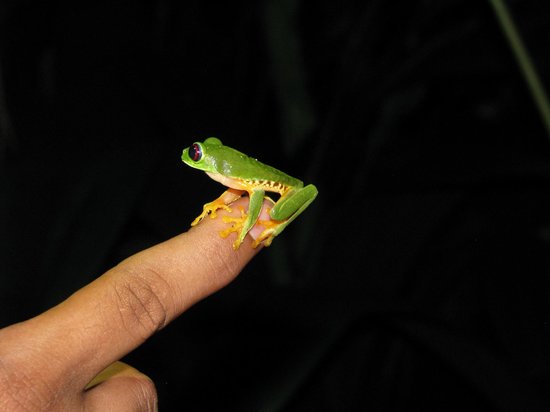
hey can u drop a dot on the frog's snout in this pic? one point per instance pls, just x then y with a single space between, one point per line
185 154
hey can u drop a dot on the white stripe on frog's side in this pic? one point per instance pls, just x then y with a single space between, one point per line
226 181
249 184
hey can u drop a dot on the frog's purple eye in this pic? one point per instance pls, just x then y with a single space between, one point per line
195 152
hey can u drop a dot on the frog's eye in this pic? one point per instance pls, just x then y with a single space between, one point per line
195 152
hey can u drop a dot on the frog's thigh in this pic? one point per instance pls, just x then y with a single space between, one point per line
293 203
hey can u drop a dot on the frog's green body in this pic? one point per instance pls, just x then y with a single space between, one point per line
242 173
231 163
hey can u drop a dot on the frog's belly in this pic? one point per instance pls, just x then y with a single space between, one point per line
227 181
249 185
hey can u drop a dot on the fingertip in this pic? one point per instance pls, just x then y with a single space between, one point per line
211 230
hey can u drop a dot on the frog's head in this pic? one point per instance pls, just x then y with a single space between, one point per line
202 155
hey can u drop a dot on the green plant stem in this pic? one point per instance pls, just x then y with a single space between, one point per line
526 65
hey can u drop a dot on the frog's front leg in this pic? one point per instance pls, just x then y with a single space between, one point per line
287 208
222 202
246 221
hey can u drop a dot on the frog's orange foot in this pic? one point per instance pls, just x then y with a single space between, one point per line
213 212
236 226
211 209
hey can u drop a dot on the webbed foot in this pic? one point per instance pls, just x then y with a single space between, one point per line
210 209
237 226
222 202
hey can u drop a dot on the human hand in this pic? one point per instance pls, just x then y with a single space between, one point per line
66 359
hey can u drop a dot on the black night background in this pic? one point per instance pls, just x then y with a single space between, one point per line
418 280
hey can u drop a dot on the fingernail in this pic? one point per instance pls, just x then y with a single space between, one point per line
257 230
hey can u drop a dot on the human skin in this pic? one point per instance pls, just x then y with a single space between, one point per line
67 357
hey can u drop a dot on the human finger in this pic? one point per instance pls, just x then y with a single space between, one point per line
120 388
65 347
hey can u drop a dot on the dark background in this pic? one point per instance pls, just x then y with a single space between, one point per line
419 278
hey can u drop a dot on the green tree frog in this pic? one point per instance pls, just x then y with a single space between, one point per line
242 174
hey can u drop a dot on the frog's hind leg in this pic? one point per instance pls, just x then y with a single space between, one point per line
222 202
284 212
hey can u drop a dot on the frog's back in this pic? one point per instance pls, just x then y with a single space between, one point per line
254 172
